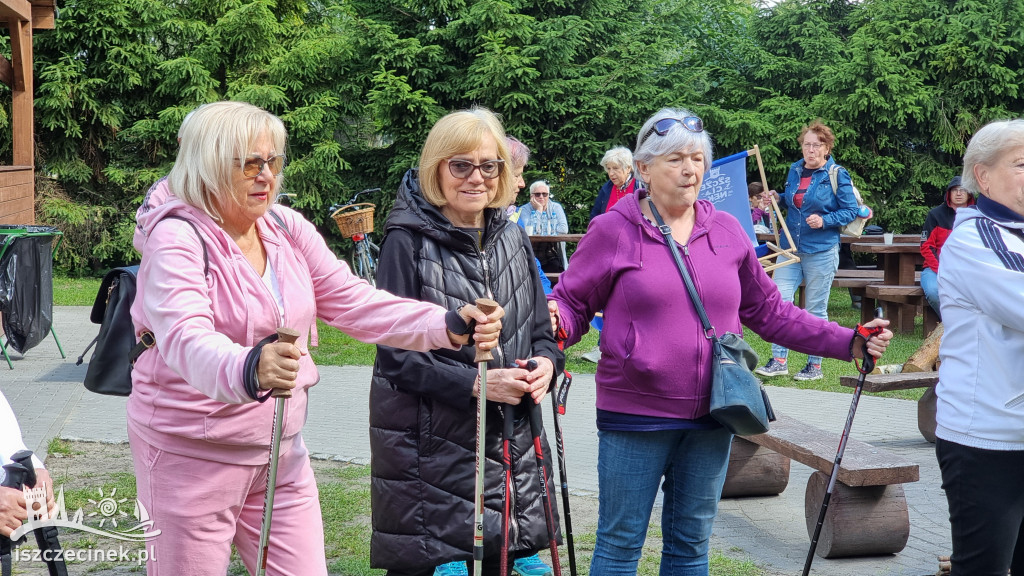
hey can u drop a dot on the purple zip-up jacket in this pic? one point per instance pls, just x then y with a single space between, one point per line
655 360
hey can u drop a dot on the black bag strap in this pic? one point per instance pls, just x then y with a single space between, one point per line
709 330
206 255
280 222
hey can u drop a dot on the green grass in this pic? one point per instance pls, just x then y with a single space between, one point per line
59 446
75 291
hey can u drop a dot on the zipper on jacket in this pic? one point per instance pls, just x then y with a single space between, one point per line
500 355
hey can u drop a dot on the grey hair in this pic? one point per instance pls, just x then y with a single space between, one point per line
987 144
619 157
677 139
215 139
538 184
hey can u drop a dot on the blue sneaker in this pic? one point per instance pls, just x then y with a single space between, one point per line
452 569
531 566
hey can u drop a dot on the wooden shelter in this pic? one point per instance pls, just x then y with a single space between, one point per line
17 180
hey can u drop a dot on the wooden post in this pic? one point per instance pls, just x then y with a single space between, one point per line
21 97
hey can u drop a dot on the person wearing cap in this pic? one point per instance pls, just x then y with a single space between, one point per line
937 227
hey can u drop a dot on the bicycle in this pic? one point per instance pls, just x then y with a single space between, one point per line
355 221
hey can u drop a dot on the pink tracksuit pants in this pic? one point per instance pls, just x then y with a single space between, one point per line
203 507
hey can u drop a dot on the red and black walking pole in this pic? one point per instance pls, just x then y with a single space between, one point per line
864 368
536 426
558 401
508 428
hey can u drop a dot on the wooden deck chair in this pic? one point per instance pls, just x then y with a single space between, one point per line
725 186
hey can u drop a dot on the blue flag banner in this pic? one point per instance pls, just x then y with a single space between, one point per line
725 186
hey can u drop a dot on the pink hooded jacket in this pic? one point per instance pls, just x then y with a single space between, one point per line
188 397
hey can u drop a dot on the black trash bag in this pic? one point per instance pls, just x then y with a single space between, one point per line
26 288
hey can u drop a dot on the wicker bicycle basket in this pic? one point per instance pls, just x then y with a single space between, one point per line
354 219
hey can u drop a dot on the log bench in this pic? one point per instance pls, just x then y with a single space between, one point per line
868 512
905 381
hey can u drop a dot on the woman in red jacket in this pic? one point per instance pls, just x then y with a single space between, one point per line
937 227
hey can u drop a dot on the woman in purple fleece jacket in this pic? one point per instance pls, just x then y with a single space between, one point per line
654 376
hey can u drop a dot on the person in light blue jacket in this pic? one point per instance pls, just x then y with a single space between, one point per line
814 214
542 216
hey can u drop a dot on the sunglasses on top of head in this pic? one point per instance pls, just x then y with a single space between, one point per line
253 165
464 168
661 127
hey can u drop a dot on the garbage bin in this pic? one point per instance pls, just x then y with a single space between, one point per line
26 286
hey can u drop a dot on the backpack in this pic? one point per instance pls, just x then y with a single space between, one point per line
856 227
110 368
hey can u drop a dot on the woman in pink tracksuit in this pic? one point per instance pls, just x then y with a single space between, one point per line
222 269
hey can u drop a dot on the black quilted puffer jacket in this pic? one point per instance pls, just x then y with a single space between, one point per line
422 412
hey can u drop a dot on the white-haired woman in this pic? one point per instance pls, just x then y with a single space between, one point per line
618 164
654 376
219 275
980 411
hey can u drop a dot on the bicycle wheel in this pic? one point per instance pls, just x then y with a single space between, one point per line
365 261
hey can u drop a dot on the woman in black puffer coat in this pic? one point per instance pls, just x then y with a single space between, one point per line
448 241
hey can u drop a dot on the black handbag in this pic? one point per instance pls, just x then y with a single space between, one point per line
738 400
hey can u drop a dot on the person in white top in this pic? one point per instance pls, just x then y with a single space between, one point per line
542 216
12 501
980 407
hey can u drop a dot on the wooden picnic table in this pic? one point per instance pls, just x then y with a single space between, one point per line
900 290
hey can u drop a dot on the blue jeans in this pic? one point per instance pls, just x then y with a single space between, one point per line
930 285
816 271
630 467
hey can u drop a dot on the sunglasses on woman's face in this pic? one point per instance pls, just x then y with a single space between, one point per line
661 127
253 166
464 168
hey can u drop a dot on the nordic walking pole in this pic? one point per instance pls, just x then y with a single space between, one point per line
558 401
486 306
536 426
508 429
288 336
865 367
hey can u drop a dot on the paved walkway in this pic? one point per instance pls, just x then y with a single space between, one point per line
48 397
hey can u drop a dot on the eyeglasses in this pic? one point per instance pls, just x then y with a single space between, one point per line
464 168
812 145
661 127
253 166
539 194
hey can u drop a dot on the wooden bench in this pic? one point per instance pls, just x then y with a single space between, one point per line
890 294
868 512
855 279
905 381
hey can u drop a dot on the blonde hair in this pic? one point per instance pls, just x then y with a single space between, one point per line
462 132
215 139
